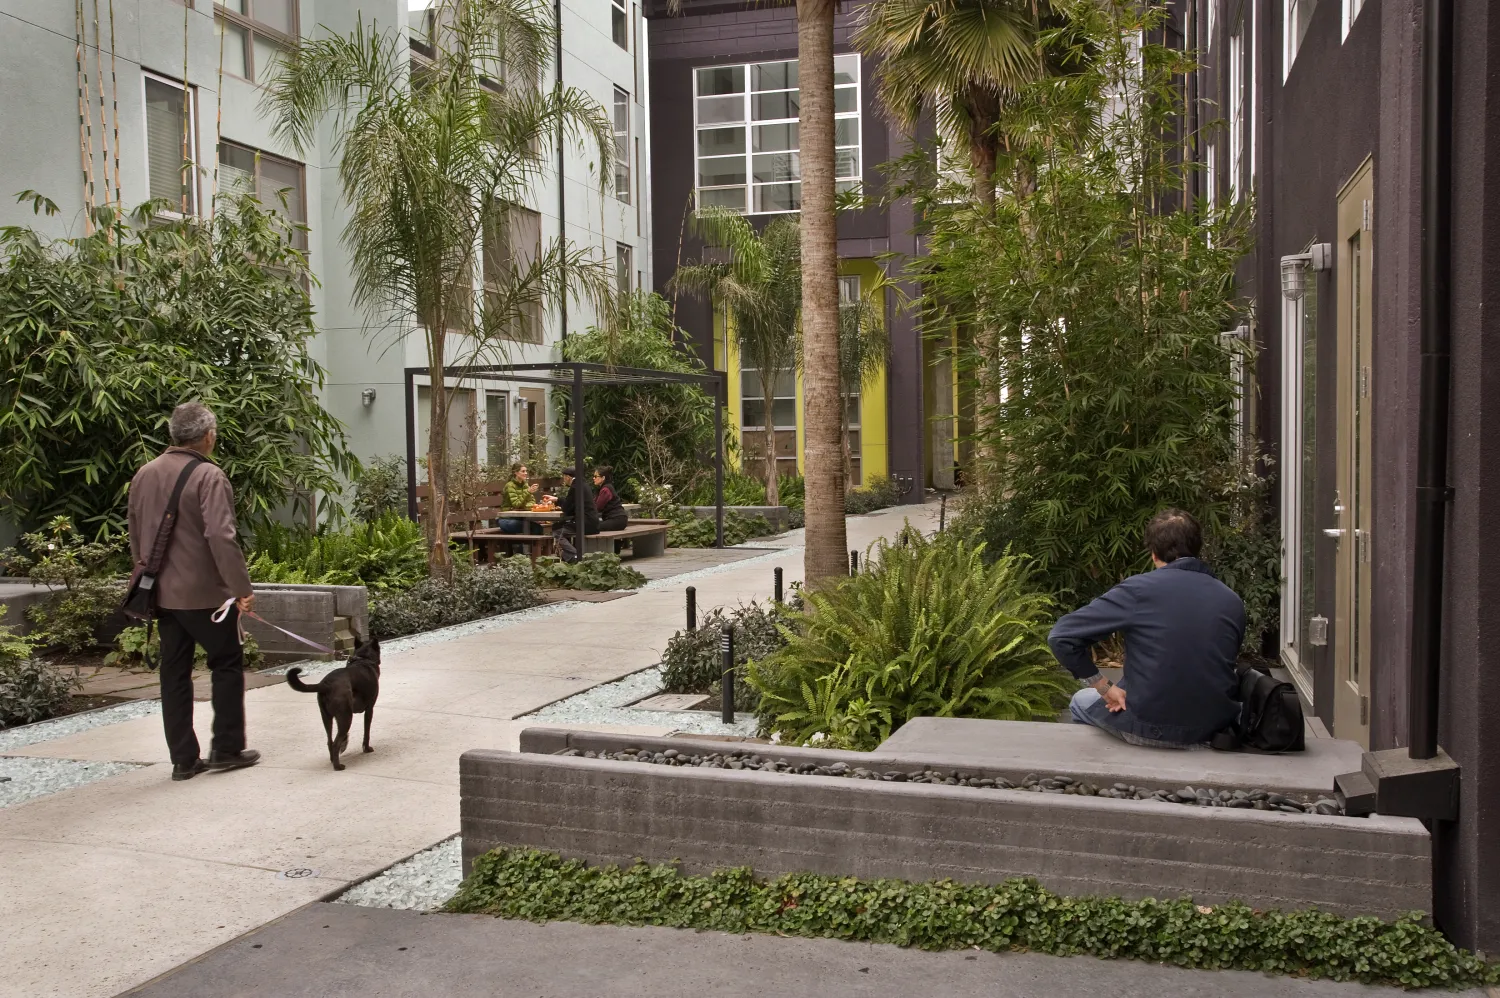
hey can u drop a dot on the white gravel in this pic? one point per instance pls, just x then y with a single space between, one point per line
62 727
422 883
33 778
606 704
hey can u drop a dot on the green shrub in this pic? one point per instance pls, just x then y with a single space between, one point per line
388 554
740 489
1018 914
380 489
792 491
29 689
688 530
82 577
879 493
599 571
929 631
1245 554
131 648
472 594
693 663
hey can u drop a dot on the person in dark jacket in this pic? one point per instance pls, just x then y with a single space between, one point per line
567 527
1182 629
612 515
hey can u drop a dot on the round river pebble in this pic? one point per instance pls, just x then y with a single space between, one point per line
1258 800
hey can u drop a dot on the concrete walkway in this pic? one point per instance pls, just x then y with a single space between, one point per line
339 951
109 885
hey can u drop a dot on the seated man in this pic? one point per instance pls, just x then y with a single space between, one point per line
568 545
1182 630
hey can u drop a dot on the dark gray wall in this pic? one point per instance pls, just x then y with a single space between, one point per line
712 33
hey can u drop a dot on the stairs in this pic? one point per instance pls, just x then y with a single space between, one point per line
343 636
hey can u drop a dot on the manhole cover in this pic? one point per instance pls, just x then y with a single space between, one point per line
297 873
671 701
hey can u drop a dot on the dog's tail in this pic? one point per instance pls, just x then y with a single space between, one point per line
293 679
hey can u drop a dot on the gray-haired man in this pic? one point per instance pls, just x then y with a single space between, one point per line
203 569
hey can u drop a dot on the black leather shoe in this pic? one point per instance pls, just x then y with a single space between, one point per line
189 771
219 761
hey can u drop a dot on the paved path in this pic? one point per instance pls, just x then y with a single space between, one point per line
109 885
336 950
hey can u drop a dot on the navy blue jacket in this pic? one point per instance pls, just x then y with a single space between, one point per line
1182 630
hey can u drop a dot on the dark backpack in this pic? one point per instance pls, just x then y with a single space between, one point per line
1270 717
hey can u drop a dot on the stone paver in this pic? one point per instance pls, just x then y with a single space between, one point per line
111 884
335 950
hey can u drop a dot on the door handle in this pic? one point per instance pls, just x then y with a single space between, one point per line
1334 532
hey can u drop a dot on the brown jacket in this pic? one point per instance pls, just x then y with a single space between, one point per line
204 565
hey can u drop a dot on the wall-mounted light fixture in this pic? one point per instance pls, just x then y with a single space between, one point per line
1319 256
367 397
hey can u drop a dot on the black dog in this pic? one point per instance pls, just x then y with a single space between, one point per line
345 692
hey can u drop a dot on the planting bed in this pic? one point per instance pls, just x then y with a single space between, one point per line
1259 800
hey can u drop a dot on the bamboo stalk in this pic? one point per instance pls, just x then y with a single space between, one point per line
218 122
187 110
85 143
103 112
114 89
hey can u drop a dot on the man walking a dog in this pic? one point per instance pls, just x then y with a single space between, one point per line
202 570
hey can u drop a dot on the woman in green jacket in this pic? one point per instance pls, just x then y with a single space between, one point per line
518 495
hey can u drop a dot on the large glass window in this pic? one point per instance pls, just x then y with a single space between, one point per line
172 143
1299 323
512 243
1236 94
275 181
622 145
618 26
848 298
1296 17
255 34
1351 11
746 120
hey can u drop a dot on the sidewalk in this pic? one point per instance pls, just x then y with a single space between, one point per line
111 884
340 951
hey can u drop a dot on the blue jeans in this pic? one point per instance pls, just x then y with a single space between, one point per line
509 525
1088 707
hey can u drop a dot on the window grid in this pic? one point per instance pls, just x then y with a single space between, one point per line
254 33
245 170
746 118
622 145
169 174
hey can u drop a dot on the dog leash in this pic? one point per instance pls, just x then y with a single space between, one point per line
223 611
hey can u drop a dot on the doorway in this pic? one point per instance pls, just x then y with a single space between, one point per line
1352 498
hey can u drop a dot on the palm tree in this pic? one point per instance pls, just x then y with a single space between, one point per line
434 154
823 451
759 287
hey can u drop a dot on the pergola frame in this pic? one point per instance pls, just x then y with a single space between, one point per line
576 378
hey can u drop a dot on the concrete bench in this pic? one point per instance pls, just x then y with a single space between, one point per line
318 613
708 818
646 540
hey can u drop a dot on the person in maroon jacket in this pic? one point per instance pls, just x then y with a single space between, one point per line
612 515
203 570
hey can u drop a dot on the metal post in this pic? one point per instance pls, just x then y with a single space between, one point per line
719 402
579 507
777 590
853 562
726 682
943 512
411 446
692 608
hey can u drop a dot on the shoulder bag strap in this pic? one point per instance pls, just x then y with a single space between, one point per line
169 518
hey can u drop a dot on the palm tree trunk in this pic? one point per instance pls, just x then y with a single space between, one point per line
826 541
772 493
438 563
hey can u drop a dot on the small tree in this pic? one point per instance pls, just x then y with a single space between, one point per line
101 337
759 287
433 155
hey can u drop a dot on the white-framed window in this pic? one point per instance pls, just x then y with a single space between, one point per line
1211 174
1297 471
745 121
619 24
243 170
1296 15
623 267
783 414
1235 92
255 34
622 145
172 142
1351 11
1208 34
849 296
511 244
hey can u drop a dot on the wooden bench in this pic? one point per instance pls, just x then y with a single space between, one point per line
646 540
486 541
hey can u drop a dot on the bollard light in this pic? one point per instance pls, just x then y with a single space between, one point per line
853 562
692 608
777 590
726 680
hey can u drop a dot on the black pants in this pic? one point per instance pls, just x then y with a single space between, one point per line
567 539
180 631
617 522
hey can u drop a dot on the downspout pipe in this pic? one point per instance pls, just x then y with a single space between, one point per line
562 194
1433 494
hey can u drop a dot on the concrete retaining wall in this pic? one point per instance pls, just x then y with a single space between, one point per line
310 611
713 818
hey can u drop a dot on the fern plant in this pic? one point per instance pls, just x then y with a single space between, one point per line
932 630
